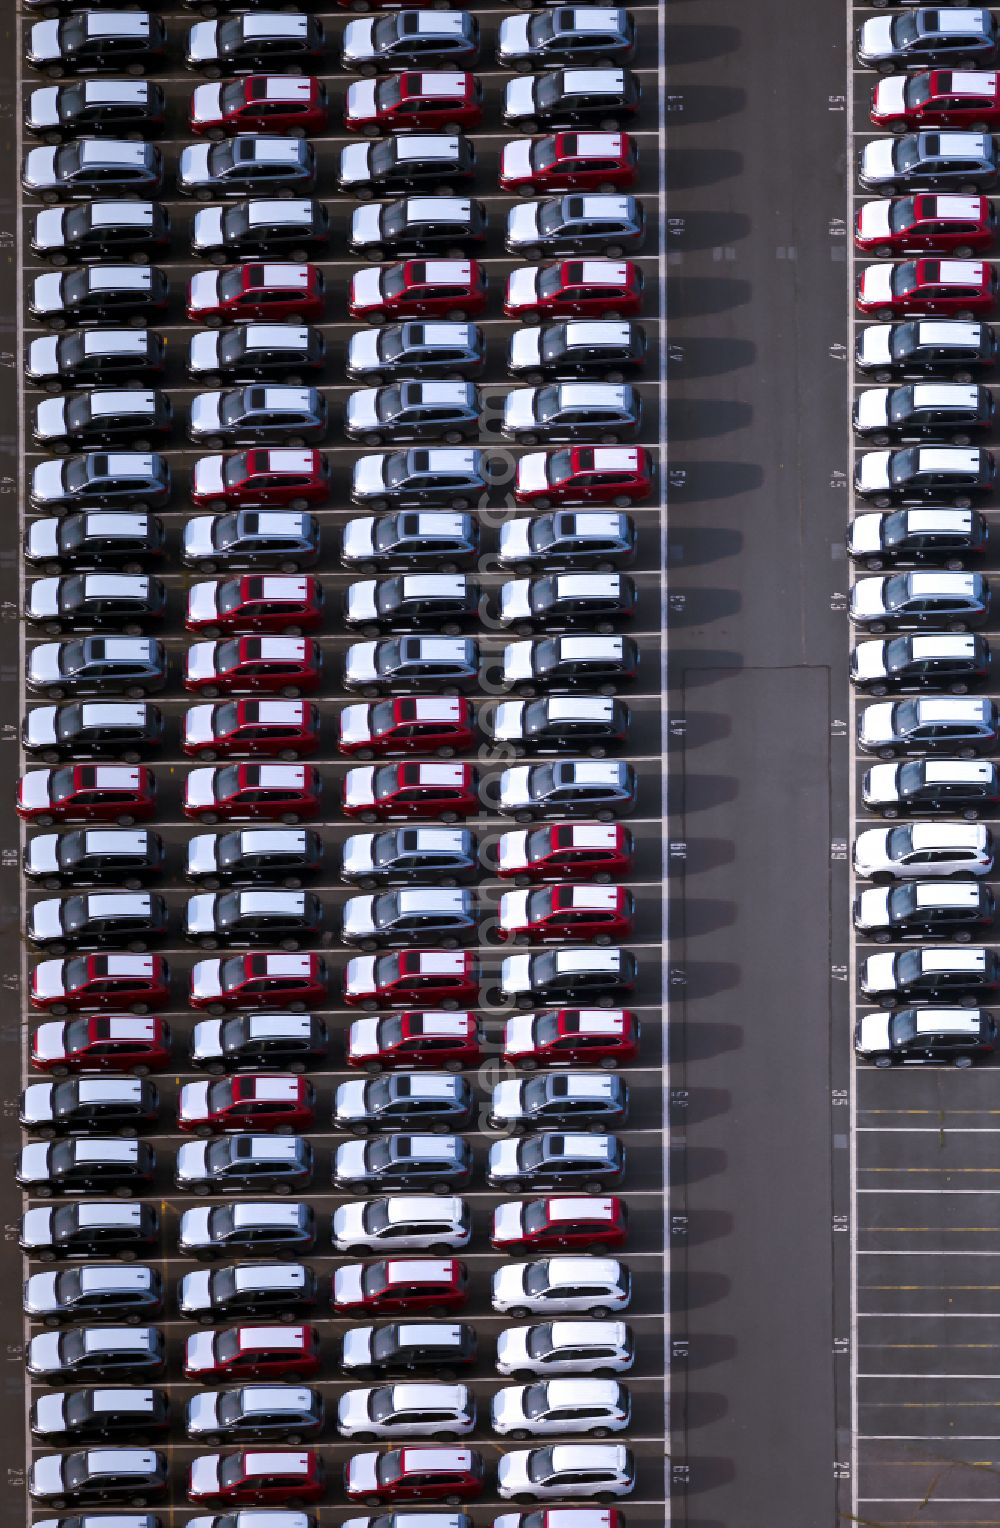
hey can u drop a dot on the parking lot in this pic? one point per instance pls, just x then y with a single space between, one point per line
643 1138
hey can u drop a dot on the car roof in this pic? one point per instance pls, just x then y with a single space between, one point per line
961 894
956 1021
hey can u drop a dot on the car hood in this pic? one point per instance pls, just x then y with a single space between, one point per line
356 855
36 1227
880 783
206 230
512 1472
350 1099
873 1033
201 43
202 605
206 975
206 412
366 224
367 480
47 1043
200 662
525 344
349 1162
512 39
503 1160
357 541
873 345
43 356
193 1101
522 221
873 471
519 97
876 723
515 600
877 974
362 348
46 296
873 222
191 1160
207 477
366 292
45 923
42 110
205 1474
522 286
46 979
44 1352
890 95
46 1471
357 39
50 1412
863 535
206 103
47 483
37 1102
43 853
194 1230
504 721
875 37
192 168
43 598
50 418
198 536
206 1039
203 1412
360 103
363 1472
532 470
518 1035
347 1286
359 605
203 355
198 790
198 1354
515 161
514 786
198 729
506 1408
867 599
40 727
33 789
361 412
348 1224
356 920
352 1409
517 661
193 1294
877 159
359 789
876 283
356 1351
359 663
873 908
868 660
872 408
364 1037
354 163
43 538
201 858
507 1220
40 167
204 288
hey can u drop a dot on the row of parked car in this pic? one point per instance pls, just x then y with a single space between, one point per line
933 352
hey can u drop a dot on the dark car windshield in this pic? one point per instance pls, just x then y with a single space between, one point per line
376 1216
896 592
905 154
902 901
902 1027
390 402
548 91
397 469
909 965
386 31
393 285
904 31
389 93
543 154
233 407
918 90
231 282
550 217
232 95
394 219
895 528
897 654
541 1463
911 777
901 406
373 1280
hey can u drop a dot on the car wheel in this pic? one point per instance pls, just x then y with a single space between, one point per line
962 1061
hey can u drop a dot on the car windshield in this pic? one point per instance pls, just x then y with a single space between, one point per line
72 100
897 654
227 781
904 31
224 1284
905 153
380 1404
550 281
533 1216
384 156
391 340
541 532
543 154
918 90
76 1470
233 407
896 591
389 93
547 1030
548 91
230 1407
895 529
906 716
220 1092
378 1153
901 406
230 595
232 347
385 909
386 31
232 95
903 1027
903 466
237 222
909 965
373 1280
901 214
231 1469
393 219
900 843
392 1033
227 531
385 781
550 218
393 285
535 1400
397 469
77 1034
61 786
73 1344
911 777
227 654
540 1464
530 1153
225 718
902 901
389 1467
231 282
382 721
390 402
227 1345
376 1217
384 1346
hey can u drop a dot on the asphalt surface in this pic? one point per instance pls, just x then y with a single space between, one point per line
924 1229
644 1140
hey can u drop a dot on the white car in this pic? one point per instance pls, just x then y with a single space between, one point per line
593 1286
598 1348
402 1222
591 1471
593 1407
923 849
407 1410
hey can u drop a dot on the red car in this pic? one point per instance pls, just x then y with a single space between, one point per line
551 914
249 1102
285 477
569 162
254 665
443 98
415 288
290 982
100 1044
443 978
265 289
260 103
441 791
898 225
417 1038
86 793
398 1286
252 1352
243 792
588 475
444 726
278 602
571 1037
282 729
917 288
595 288
938 98
250 1477
584 1224
408 1474
85 983
586 851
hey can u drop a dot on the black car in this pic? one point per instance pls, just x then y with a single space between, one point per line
958 1036
129 919
440 1163
409 540
603 539
90 166
136 480
570 1100
418 225
571 98
93 856
248 43
571 975
101 231
93 665
403 664
75 1416
410 39
968 788
240 1163
81 1106
933 973
591 724
90 1164
442 855
249 538
279 856
97 42
606 350
952 411
925 472
435 1348
908 601
445 601
97 1353
258 416
247 164
603 789
950 39
597 601
100 1227
266 227
566 35
119 1475
425 1101
115 729
935 909
97 294
293 1042
282 1413
952 661
103 417
95 539
955 161
572 661
279 1290
961 726
432 349
599 223
98 1291
941 536
927 346
555 1160
435 162
253 917
447 411
427 476
288 352
262 1227
58 112
92 357
127 601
